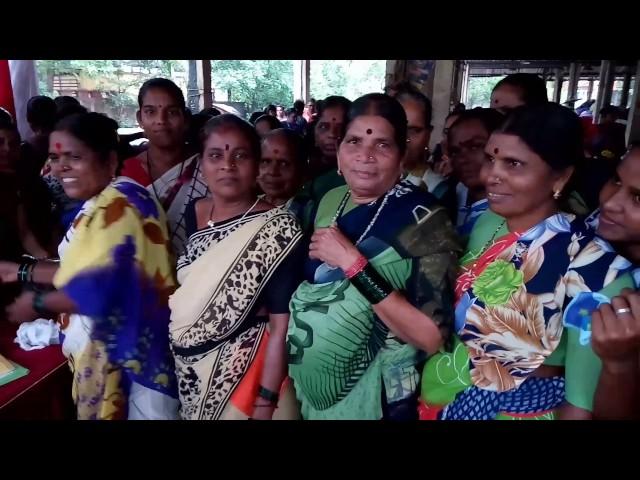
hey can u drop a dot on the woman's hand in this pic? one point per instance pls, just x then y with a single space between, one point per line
9 272
21 310
616 336
263 411
329 245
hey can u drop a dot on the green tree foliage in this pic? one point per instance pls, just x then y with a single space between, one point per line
349 78
119 79
257 83
479 91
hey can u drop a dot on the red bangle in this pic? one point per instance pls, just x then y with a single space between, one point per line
357 267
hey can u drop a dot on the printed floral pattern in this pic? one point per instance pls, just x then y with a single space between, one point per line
510 309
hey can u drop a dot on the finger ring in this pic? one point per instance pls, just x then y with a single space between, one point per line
623 310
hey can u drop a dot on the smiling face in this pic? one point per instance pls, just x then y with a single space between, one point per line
82 171
369 157
519 183
620 202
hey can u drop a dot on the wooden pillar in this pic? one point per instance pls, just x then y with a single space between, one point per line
604 88
633 120
301 80
203 70
626 85
441 95
574 76
557 85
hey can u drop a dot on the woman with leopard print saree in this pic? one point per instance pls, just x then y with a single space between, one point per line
229 316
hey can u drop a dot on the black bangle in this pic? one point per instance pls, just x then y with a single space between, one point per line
371 285
268 395
31 268
39 307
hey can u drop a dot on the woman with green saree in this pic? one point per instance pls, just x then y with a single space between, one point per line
378 291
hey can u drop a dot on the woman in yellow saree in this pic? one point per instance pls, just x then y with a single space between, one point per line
112 283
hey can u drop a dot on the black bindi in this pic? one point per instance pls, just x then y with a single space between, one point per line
496 150
369 131
226 146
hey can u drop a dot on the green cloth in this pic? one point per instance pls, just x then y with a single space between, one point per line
582 366
342 357
15 374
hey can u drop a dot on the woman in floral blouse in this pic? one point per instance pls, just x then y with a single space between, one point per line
512 355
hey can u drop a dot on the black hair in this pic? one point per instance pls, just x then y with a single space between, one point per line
269 108
298 105
7 123
163 84
533 87
270 119
290 111
6 117
254 116
295 141
69 107
332 102
95 130
41 112
231 121
610 110
64 101
490 119
552 131
311 100
384 106
196 126
210 111
407 90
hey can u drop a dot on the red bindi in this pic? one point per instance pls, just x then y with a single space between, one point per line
58 147
276 151
226 146
496 150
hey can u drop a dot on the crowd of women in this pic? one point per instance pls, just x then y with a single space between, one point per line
230 272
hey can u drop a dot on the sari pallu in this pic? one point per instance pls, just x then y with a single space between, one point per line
115 266
342 358
513 302
218 340
175 189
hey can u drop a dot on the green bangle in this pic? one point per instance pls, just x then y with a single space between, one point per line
22 273
371 285
268 395
39 307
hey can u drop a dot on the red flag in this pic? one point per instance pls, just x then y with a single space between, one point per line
6 91
18 83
